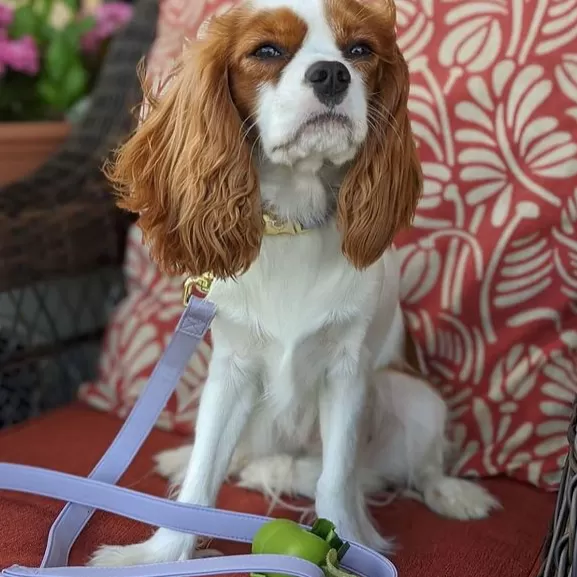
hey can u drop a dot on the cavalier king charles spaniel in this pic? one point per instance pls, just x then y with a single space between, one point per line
280 159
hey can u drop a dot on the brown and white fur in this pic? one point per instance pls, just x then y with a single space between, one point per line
300 396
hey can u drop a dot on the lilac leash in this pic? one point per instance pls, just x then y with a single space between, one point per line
98 491
193 325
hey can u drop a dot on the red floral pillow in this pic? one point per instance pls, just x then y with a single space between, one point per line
490 267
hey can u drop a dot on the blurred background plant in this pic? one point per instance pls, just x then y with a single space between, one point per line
50 54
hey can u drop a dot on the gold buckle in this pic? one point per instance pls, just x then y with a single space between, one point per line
199 285
274 226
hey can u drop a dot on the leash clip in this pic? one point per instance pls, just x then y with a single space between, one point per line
198 286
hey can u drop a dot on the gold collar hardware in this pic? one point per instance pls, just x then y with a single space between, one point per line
200 285
274 226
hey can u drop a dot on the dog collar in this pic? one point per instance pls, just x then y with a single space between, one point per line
199 286
274 226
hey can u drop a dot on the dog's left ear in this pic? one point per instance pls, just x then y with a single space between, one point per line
187 171
380 192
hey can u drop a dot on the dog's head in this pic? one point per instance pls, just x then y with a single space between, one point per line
299 80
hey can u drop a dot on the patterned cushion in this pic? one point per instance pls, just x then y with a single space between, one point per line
490 267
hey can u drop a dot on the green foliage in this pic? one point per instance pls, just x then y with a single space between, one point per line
64 79
26 22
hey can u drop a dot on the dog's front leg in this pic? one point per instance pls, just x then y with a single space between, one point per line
227 400
339 495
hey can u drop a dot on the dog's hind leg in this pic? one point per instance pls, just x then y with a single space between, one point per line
409 447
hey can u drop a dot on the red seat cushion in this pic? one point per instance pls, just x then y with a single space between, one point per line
72 439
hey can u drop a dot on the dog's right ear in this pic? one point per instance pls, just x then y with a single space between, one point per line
187 170
380 192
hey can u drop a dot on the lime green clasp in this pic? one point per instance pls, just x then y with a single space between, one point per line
320 545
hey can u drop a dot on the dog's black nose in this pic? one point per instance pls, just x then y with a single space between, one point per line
329 80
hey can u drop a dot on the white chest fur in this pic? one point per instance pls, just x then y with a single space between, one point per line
298 305
298 285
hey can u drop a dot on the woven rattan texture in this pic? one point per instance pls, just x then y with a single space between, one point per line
49 340
561 547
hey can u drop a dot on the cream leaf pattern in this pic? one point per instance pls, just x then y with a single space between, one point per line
489 269
566 76
463 449
415 26
515 375
559 390
503 440
432 130
542 149
565 254
430 118
519 271
456 352
421 265
475 37
558 27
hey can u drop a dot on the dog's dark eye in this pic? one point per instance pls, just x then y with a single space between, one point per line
359 50
267 52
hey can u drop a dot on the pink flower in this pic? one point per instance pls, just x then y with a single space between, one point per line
20 55
3 37
110 17
6 15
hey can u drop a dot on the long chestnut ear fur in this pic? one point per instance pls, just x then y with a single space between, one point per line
187 170
380 192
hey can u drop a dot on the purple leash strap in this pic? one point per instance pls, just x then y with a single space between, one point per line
210 566
206 521
191 329
98 491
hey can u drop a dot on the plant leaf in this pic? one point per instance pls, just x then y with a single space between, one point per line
74 84
25 22
57 57
50 93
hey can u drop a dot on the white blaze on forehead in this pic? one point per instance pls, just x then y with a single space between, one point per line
320 39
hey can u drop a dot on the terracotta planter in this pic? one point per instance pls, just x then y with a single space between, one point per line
25 146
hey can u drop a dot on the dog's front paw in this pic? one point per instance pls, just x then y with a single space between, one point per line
163 546
459 499
361 530
353 523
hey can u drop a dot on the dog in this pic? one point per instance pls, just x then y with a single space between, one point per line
280 159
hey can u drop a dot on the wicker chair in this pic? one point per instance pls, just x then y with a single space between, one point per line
61 246
561 545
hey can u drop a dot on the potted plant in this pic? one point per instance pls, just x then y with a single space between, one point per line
50 55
